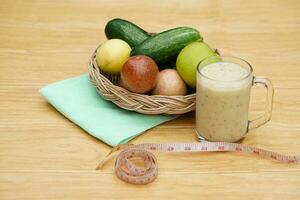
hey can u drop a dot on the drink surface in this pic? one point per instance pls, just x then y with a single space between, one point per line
224 71
223 94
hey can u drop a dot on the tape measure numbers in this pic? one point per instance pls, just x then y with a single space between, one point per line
127 171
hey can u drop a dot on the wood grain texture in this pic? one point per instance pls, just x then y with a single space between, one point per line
45 156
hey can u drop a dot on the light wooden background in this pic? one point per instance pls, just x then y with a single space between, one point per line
45 156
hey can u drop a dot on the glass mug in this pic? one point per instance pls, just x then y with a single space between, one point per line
223 96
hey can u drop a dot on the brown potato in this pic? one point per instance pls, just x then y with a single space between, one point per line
169 83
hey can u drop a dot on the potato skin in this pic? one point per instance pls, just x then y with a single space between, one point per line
169 83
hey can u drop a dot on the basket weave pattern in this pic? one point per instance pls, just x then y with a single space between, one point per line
106 86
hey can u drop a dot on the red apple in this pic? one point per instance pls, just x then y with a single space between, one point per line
139 74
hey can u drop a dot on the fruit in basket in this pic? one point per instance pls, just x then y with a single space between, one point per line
139 74
165 46
169 83
112 54
209 60
189 58
125 30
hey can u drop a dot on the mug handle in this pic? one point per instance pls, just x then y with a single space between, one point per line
264 82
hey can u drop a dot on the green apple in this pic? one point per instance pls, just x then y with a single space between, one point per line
209 60
112 54
189 59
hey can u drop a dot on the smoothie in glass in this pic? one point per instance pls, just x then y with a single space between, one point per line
223 94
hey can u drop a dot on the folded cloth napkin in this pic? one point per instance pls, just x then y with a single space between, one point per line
77 99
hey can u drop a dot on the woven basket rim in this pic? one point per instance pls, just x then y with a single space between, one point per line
141 103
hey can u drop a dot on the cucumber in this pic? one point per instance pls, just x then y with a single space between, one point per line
125 30
165 46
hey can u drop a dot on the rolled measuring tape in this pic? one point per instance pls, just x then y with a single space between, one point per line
127 171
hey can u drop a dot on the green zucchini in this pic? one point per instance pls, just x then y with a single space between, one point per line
165 46
125 30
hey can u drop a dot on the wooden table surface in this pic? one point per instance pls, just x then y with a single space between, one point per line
45 156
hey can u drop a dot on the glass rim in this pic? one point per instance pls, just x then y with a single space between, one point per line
230 57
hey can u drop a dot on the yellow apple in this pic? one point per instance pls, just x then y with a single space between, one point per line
112 54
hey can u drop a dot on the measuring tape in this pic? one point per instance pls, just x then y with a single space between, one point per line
130 173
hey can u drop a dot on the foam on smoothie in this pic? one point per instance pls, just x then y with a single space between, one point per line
225 75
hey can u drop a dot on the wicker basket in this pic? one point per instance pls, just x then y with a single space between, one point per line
147 104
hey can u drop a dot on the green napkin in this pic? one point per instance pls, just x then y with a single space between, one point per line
77 99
